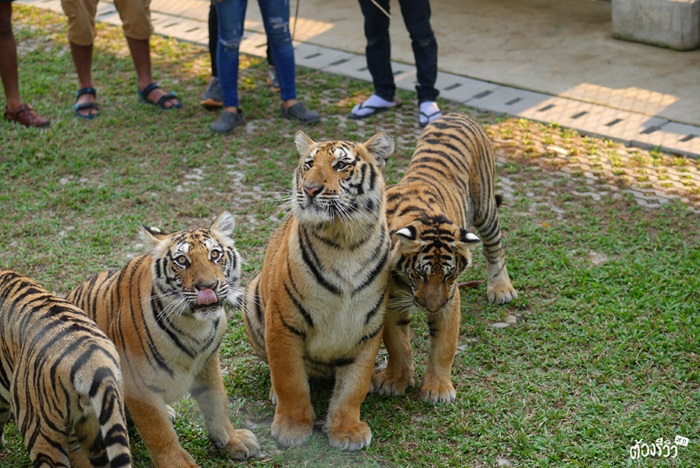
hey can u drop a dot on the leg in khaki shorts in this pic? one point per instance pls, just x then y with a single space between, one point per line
136 19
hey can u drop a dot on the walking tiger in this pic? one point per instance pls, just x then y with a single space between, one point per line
447 188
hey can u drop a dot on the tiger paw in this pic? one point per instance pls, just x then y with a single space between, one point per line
501 294
289 432
242 445
386 383
349 437
435 390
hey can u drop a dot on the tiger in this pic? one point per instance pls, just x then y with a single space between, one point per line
165 312
316 309
60 379
447 189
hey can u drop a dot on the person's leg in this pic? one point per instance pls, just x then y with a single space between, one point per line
212 95
82 58
213 26
15 109
8 58
416 16
378 49
81 34
231 17
136 19
275 16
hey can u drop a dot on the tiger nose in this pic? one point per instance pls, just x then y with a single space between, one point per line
203 284
312 190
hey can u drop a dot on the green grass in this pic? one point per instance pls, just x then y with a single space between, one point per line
605 351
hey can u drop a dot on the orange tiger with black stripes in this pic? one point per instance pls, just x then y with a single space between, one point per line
165 313
60 379
448 187
317 307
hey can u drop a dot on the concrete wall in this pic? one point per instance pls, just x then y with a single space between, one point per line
667 23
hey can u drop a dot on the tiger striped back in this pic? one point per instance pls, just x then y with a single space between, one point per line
447 189
317 307
60 378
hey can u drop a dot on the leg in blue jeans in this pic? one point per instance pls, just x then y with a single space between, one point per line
231 17
275 15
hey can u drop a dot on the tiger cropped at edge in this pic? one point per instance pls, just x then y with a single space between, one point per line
60 378
317 307
165 313
447 188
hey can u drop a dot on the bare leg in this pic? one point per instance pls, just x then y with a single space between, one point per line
8 58
141 55
82 58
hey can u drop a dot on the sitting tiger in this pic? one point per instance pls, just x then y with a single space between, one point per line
60 378
447 188
165 313
317 307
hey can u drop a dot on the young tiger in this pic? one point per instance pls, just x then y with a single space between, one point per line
60 378
447 188
317 307
164 311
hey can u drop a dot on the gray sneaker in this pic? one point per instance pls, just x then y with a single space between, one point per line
212 96
227 121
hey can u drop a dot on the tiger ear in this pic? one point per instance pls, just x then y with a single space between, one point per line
380 146
225 224
153 235
407 236
304 143
468 237
223 227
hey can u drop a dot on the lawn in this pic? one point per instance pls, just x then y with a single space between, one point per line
599 351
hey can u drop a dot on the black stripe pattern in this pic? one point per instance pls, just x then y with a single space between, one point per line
54 357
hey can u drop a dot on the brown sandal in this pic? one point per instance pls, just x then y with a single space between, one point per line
27 116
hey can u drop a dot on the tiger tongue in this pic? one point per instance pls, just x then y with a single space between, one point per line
206 297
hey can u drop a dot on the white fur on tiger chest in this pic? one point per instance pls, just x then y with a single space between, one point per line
340 319
185 368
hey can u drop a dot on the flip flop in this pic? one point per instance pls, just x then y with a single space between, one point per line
86 105
143 95
374 110
425 119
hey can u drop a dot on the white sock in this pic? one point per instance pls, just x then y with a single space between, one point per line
366 107
429 111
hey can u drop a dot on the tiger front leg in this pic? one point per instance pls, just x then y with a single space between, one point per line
352 383
499 289
210 394
150 416
294 416
444 334
398 374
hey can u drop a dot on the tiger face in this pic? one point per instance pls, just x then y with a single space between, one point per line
429 258
339 179
196 270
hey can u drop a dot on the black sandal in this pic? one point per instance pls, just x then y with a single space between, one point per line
86 105
143 94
